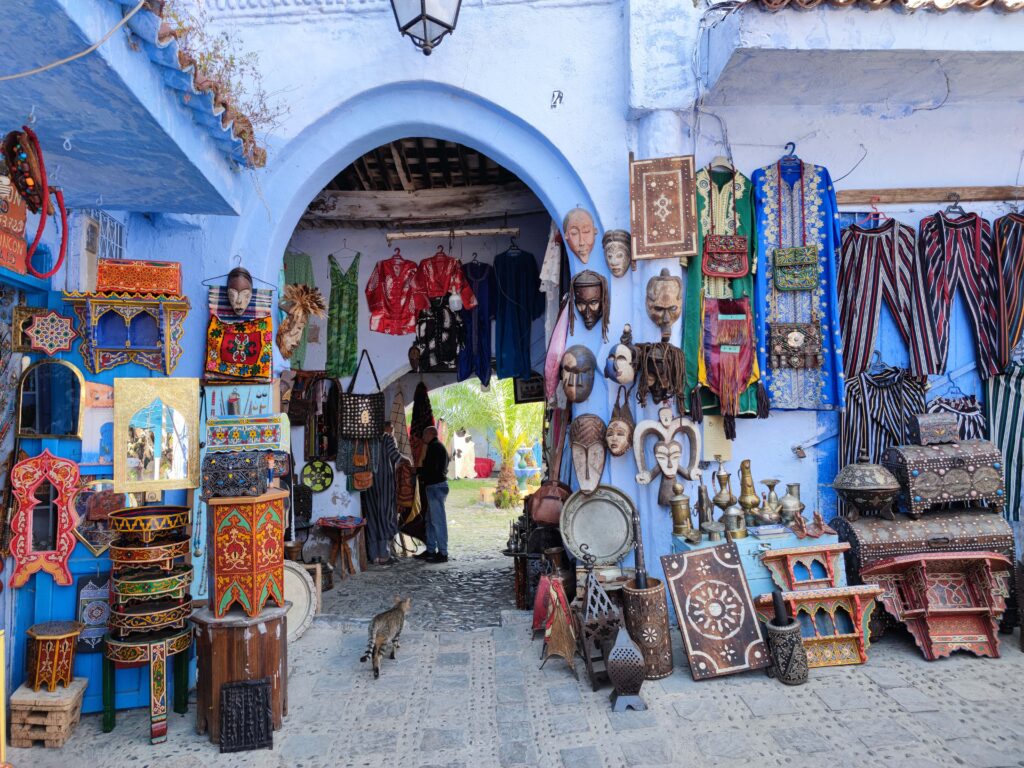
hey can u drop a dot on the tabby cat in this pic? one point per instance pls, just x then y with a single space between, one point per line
385 629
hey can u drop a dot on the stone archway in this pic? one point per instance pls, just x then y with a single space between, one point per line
384 114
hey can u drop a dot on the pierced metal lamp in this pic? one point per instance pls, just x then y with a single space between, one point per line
426 22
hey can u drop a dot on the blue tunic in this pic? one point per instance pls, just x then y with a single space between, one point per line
807 219
475 357
520 302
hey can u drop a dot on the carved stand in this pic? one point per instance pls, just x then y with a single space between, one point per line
51 653
240 648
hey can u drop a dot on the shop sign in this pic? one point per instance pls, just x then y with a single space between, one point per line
12 227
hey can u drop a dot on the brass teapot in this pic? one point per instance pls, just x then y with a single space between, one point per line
723 497
749 500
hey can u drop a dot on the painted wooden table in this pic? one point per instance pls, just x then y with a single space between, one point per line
238 648
153 650
51 653
759 578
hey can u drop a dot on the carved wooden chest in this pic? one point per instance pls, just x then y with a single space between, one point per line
248 545
934 429
873 539
969 471
243 473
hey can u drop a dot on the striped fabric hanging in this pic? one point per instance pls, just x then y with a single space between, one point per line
1009 233
878 410
969 418
1005 404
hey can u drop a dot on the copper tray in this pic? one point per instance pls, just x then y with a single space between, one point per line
147 522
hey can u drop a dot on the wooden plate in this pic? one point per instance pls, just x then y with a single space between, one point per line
301 593
602 520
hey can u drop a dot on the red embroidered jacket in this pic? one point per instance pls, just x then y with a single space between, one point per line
390 295
438 275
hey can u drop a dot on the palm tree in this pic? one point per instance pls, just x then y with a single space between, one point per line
469 405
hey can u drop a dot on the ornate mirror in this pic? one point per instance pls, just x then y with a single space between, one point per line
156 440
51 400
94 501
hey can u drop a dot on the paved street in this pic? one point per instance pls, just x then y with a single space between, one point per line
477 699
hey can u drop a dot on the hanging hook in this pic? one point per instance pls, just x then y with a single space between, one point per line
31 119
67 144
397 254
238 259
790 149
99 201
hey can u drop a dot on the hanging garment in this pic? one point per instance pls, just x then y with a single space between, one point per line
440 337
958 253
397 420
796 216
379 502
724 207
343 319
239 350
259 305
298 270
320 438
551 279
439 276
390 296
969 418
1004 401
520 302
879 265
1009 234
475 357
877 414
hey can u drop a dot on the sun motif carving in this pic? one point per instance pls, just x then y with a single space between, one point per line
715 609
51 333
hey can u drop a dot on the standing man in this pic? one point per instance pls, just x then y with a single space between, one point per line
434 476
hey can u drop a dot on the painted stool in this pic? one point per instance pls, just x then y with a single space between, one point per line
153 650
51 653
340 537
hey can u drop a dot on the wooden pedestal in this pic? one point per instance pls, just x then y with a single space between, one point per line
238 647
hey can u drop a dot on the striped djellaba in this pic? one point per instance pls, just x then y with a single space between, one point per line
1010 250
1005 402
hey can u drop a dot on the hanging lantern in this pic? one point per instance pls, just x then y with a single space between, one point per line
426 22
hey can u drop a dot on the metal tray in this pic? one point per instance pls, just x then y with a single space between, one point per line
602 520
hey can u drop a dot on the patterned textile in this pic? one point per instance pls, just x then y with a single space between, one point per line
422 417
389 294
1009 234
879 265
259 305
475 357
380 507
397 420
798 210
877 414
343 319
519 304
298 270
970 420
730 217
239 350
439 275
1004 400
958 253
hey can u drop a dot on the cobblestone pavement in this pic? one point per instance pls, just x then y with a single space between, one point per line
478 700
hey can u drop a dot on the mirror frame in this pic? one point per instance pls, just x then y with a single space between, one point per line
81 401
131 501
131 395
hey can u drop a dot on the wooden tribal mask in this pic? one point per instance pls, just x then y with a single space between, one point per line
667 452
620 366
580 233
619 435
578 369
617 251
586 438
239 289
591 298
299 303
665 301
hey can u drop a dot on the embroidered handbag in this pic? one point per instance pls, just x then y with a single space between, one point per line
795 345
796 269
725 255
361 417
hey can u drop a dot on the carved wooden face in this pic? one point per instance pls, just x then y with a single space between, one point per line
578 365
587 440
289 333
618 437
668 455
664 301
239 291
580 233
616 252
621 367
589 301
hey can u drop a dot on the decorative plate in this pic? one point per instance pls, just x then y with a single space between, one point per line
300 592
603 520
51 333
317 475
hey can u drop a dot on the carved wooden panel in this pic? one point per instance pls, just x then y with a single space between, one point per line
245 716
663 208
715 611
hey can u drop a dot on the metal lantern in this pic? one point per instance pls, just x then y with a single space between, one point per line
426 22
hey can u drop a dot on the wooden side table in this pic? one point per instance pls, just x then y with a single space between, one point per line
51 653
237 648
340 552
153 650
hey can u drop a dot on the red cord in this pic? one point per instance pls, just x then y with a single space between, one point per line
59 196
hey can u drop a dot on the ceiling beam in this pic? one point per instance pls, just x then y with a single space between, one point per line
436 206
403 175
424 168
382 168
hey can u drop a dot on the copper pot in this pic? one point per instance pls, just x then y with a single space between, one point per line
867 488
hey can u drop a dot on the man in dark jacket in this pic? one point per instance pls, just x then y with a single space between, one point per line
434 476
